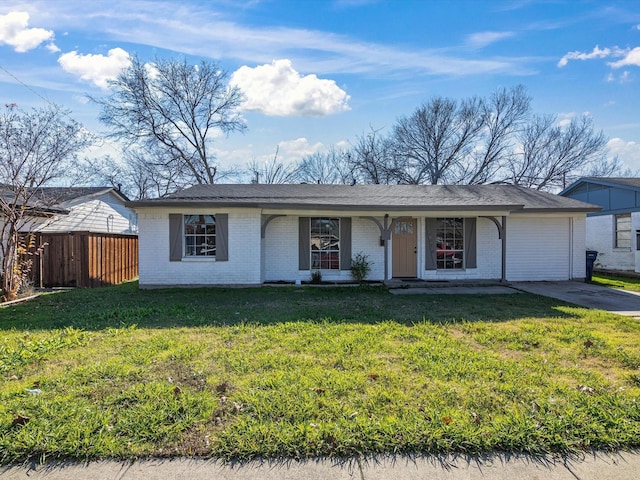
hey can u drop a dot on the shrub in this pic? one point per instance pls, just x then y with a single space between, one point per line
316 276
360 267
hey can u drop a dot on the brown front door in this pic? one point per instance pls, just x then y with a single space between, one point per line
404 243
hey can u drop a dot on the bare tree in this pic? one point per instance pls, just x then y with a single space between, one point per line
372 158
552 154
503 116
609 167
36 148
434 143
332 166
271 171
174 107
139 173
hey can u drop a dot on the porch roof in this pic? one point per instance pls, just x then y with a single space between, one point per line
370 197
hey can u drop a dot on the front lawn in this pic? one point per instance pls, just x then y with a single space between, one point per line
631 284
301 372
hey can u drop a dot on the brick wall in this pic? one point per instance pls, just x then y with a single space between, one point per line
601 237
280 249
241 268
539 248
488 248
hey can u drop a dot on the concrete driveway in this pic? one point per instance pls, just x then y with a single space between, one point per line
586 295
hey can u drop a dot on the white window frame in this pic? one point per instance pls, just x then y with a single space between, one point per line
617 231
207 237
450 247
327 243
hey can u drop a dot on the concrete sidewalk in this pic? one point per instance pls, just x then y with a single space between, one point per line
616 466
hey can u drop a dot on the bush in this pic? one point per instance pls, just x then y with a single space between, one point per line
360 267
316 276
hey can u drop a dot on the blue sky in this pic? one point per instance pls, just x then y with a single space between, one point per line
318 73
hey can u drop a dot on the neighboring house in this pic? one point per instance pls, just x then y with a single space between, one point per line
613 231
93 209
88 234
250 234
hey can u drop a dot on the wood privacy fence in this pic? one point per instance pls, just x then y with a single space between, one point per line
84 259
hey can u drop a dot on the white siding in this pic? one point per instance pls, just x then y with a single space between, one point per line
538 248
242 268
105 214
601 233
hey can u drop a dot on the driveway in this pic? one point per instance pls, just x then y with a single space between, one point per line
586 295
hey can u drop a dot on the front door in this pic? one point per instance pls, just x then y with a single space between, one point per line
404 243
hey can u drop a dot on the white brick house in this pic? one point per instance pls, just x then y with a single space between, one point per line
250 234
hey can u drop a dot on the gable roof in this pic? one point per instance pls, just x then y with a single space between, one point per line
632 183
370 197
48 200
59 195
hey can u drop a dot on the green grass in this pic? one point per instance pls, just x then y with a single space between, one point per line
304 372
614 281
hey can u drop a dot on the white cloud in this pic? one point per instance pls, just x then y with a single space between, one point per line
98 69
631 57
482 39
295 150
14 32
596 53
628 152
564 119
278 89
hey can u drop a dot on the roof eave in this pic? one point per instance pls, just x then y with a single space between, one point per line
320 206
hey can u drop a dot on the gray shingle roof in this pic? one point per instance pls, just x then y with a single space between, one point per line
49 200
369 197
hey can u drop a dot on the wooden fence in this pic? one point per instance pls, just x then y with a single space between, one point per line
84 259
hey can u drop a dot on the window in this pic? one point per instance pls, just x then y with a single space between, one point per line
199 236
325 243
449 243
623 230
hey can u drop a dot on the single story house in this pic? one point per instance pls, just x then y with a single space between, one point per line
613 231
251 234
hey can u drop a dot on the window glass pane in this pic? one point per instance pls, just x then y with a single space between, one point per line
623 230
199 235
449 243
325 243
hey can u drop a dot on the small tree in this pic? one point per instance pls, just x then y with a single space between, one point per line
36 148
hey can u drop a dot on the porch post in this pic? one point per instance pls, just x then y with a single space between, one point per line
385 235
386 247
504 249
